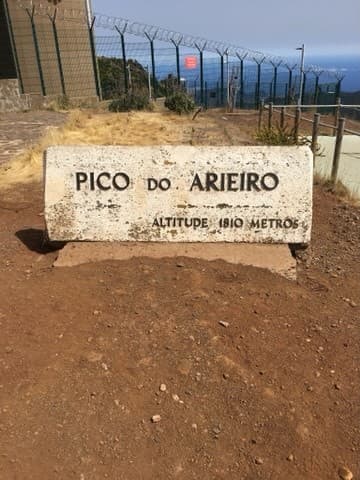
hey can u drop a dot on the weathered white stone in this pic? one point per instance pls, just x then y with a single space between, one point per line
85 198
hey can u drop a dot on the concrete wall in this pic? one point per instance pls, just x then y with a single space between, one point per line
349 166
74 45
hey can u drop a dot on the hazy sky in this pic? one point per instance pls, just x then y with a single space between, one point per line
274 26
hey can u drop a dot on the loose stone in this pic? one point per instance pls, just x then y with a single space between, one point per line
345 473
224 324
156 418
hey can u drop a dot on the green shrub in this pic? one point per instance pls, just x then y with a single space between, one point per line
180 102
276 135
130 101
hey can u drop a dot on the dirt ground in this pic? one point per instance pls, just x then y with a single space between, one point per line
90 354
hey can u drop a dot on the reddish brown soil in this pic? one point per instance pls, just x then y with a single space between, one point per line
84 350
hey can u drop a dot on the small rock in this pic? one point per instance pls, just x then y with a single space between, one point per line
353 304
224 324
180 265
194 426
9 349
175 397
259 461
162 387
217 430
345 473
226 376
105 367
337 386
156 418
96 312
290 458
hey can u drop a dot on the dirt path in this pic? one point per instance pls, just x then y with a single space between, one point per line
84 352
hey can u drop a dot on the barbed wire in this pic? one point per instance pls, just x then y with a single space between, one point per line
152 32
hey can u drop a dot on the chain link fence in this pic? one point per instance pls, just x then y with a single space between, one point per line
60 52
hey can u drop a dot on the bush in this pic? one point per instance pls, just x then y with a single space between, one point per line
130 101
276 136
180 102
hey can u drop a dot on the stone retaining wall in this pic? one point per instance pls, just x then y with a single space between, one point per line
10 98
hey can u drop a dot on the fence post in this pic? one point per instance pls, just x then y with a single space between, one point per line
337 151
289 86
271 109
337 114
303 88
282 117
57 49
221 78
274 92
201 54
153 67
258 82
94 60
37 50
315 134
123 51
297 124
242 80
177 49
261 111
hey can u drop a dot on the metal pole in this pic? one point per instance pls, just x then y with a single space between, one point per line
227 81
290 83
222 79
178 64
149 82
13 46
201 55
94 60
153 66
258 85
241 78
337 151
303 88
241 83
37 50
302 48
123 51
275 83
58 53
316 91
201 77
177 49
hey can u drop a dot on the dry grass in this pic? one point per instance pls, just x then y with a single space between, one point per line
84 128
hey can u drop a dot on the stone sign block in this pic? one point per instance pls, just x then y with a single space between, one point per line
179 194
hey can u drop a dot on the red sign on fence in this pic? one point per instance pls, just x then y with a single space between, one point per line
190 62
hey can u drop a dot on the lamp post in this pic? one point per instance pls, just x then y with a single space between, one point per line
302 48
